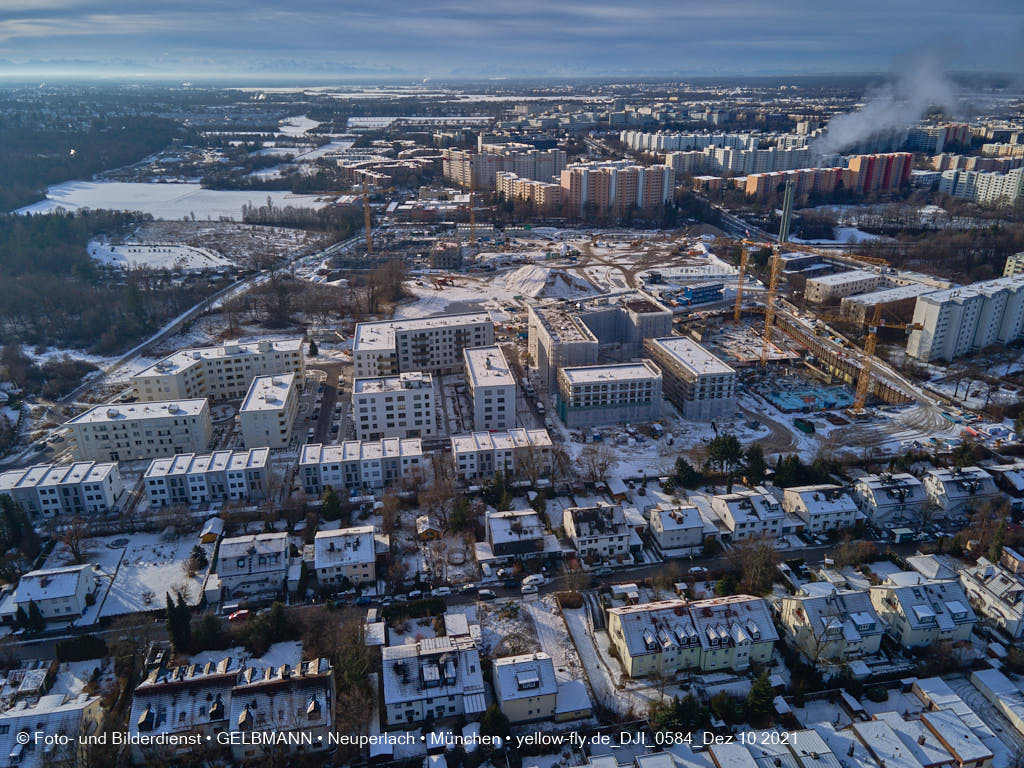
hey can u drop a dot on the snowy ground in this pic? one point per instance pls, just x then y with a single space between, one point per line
165 256
850 235
163 201
297 126
506 629
278 654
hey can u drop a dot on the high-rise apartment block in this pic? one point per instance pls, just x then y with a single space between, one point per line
492 388
616 187
696 382
432 344
268 413
394 406
142 430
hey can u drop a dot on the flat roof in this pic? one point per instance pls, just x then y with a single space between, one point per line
562 325
588 374
218 461
54 474
410 380
487 367
164 409
839 278
692 356
360 450
898 293
186 358
268 393
984 288
503 440
381 334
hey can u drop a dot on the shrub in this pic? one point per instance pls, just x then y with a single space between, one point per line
570 599
81 648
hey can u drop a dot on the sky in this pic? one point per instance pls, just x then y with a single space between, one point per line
363 39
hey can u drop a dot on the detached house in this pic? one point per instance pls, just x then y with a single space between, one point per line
919 613
836 626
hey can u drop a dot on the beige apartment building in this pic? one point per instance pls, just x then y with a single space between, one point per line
220 373
394 406
492 388
142 430
268 412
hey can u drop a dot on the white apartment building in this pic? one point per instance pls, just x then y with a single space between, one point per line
699 384
431 344
358 465
394 406
669 636
594 395
345 555
997 593
677 527
492 388
516 453
820 290
920 612
256 564
54 716
597 533
219 373
837 627
59 593
890 499
956 492
142 430
1014 265
961 320
192 479
48 490
268 412
437 679
821 507
749 514
983 187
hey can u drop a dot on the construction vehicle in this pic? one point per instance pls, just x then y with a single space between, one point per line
366 218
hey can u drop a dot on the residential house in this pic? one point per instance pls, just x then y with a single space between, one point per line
61 594
836 626
919 613
997 594
821 507
346 555
956 492
749 514
434 679
891 499
525 687
597 533
254 565
675 527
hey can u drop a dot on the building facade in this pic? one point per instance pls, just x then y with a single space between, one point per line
822 507
821 290
616 187
595 395
430 344
346 555
356 466
889 499
749 514
49 490
436 679
492 388
957 492
268 412
597 533
696 382
516 453
394 406
193 479
109 433
254 565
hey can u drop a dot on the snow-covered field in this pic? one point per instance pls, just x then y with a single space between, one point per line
163 201
156 256
297 126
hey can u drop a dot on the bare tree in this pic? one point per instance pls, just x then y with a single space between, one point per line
755 560
74 537
595 462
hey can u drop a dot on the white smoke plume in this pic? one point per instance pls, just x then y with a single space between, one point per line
919 85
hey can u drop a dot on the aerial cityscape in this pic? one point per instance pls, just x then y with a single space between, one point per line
580 385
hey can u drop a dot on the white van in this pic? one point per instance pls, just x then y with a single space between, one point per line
534 580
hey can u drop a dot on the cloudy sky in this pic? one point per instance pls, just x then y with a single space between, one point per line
467 38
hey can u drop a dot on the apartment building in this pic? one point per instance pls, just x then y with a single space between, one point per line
253 565
479 170
544 196
997 593
555 339
55 717
237 699
820 290
961 320
615 187
108 433
984 188
677 527
597 533
836 627
430 344
749 514
346 555
662 141
958 491
356 466
670 636
919 612
1014 265
822 507
516 453
898 301
492 388
268 412
594 395
878 173
61 594
192 479
394 406
219 373
525 687
50 490
890 499
514 533
436 679
700 385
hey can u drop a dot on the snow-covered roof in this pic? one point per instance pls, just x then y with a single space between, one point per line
572 697
258 543
963 483
673 518
891 489
42 475
848 610
917 738
526 676
746 505
513 525
824 499
345 546
186 358
369 385
590 522
436 666
502 440
956 736
885 744
164 409
54 714
381 334
50 584
361 450
268 393
618 372
843 278
487 367
932 603
692 356
199 463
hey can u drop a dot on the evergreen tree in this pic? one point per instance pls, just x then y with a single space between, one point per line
761 700
36 621
313 349
755 466
20 618
494 723
332 504
686 475
198 558
179 624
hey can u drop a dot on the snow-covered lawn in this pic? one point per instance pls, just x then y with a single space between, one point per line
165 256
506 629
297 126
279 653
163 201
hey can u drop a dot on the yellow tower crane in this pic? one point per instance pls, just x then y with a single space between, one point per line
867 361
769 305
366 218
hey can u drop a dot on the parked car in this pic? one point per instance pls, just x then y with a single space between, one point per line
441 591
364 600
486 594
529 589
240 615
415 595
603 571
467 587
534 580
